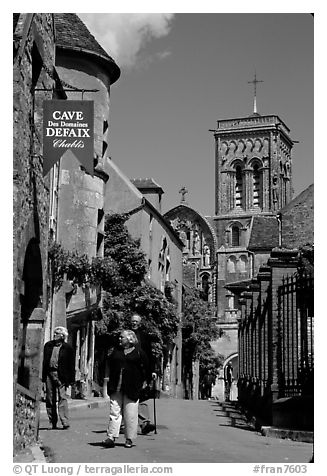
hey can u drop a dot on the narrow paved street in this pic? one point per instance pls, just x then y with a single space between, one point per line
187 432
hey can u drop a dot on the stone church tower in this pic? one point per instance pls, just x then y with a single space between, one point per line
253 181
253 165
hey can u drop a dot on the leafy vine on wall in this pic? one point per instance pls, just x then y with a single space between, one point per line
78 268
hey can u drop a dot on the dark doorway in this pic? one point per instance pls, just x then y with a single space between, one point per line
31 298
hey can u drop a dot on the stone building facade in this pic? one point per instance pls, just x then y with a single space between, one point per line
276 326
55 57
141 198
253 169
253 181
200 248
253 165
34 54
77 206
199 251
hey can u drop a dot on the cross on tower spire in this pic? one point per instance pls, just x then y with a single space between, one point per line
255 82
183 191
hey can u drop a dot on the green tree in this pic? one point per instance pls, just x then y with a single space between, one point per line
121 275
199 330
128 291
124 251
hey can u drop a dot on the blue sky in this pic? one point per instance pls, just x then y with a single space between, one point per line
180 73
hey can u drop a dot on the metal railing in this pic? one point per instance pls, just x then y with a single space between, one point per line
295 340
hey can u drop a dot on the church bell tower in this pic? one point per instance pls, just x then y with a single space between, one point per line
253 165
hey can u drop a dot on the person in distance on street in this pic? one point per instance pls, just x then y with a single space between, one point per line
207 382
58 373
228 380
126 369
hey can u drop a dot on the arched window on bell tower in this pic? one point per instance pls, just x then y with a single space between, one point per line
256 186
235 236
239 187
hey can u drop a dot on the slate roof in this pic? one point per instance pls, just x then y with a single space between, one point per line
146 183
73 34
298 220
264 233
303 197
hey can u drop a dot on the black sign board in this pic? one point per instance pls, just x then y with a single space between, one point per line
68 125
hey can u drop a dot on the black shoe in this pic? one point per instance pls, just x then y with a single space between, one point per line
128 443
65 427
147 428
108 443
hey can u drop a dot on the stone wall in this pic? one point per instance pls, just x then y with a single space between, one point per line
32 83
274 346
25 419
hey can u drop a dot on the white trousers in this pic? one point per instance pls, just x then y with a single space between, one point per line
121 406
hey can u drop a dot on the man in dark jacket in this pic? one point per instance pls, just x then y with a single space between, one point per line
208 381
58 373
145 344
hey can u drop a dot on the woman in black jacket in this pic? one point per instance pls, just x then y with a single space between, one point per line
127 369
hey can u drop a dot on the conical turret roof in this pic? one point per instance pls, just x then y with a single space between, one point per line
72 34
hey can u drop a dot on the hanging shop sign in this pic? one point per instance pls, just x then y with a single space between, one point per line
68 125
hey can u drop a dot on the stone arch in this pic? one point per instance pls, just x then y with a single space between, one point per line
182 213
258 145
257 182
234 359
255 161
239 183
265 146
182 216
231 264
249 145
242 264
241 146
237 163
205 285
232 146
219 390
231 229
224 147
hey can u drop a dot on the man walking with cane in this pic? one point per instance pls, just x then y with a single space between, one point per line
145 344
57 374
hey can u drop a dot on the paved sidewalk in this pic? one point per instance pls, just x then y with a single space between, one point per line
35 454
188 432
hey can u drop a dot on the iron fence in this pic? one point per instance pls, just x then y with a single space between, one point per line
295 340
